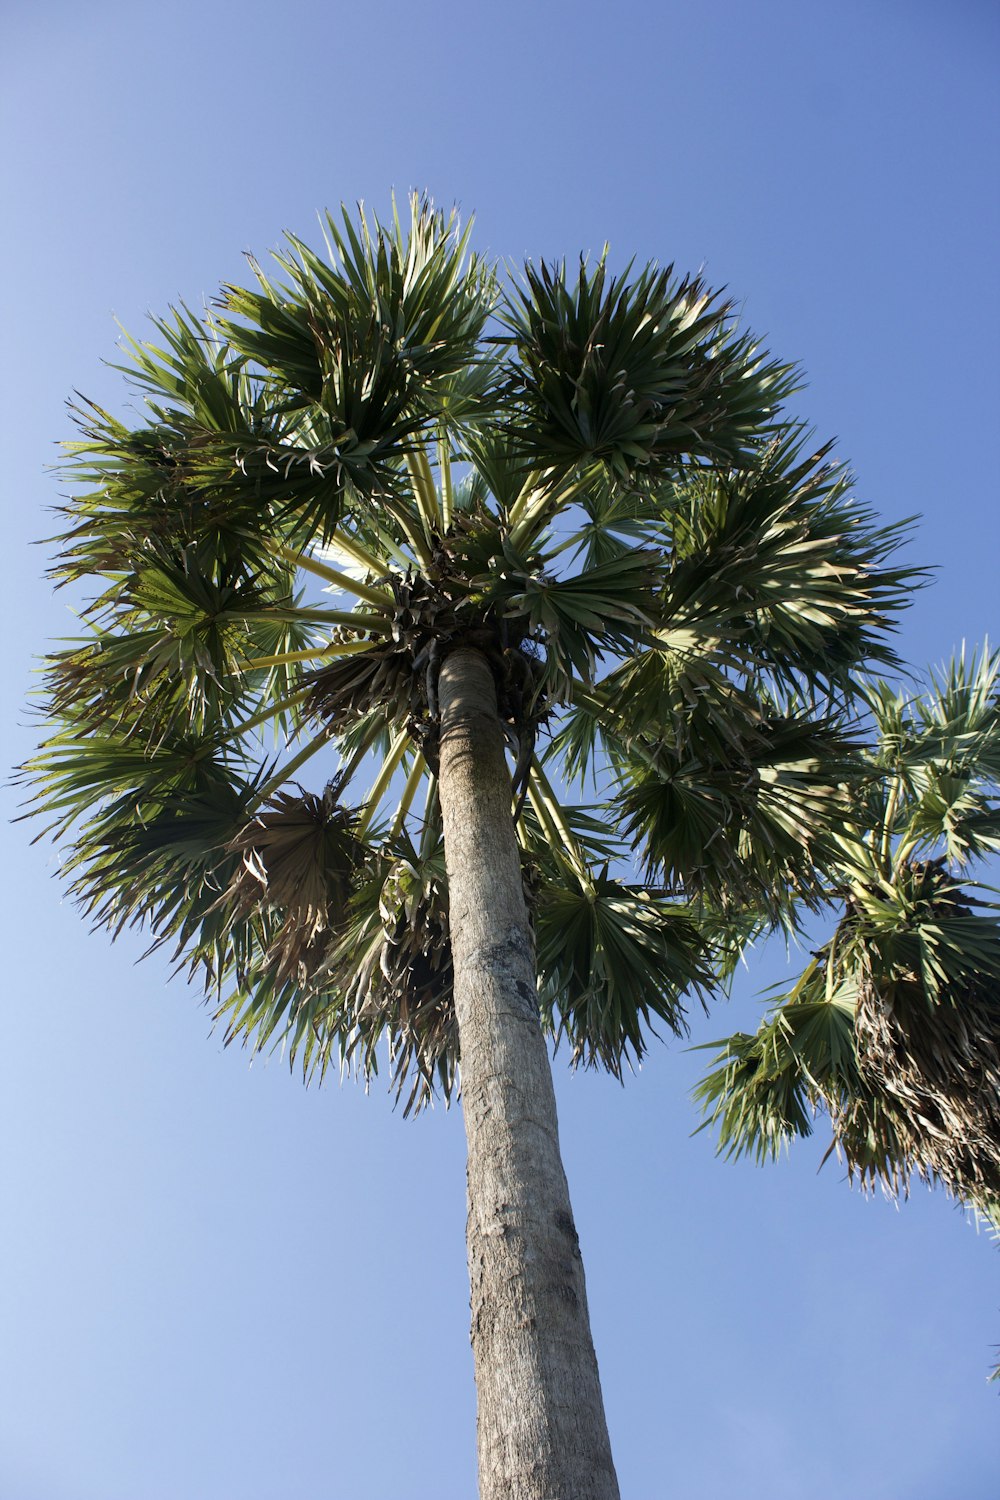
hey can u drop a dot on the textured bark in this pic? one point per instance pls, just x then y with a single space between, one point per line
542 1430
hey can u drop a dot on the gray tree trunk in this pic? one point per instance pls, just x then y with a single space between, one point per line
541 1427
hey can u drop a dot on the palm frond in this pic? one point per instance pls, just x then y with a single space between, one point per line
581 617
371 343
298 858
633 373
756 823
941 756
764 1089
616 962
777 560
394 963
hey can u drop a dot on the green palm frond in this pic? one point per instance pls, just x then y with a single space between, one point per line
582 617
75 773
960 717
895 1032
928 1024
941 757
500 471
180 651
751 820
152 852
153 486
240 443
951 811
764 1089
682 691
634 372
776 560
675 694
371 343
617 961
613 521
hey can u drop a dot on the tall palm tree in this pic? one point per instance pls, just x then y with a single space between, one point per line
893 1028
570 538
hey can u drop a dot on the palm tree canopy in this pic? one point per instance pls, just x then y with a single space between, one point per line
589 479
894 1027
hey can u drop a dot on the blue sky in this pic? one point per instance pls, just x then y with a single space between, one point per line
217 1284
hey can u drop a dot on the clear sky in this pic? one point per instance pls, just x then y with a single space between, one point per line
216 1285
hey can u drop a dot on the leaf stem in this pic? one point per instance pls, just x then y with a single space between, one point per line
335 648
431 830
271 712
354 619
885 851
528 490
347 770
380 597
398 511
425 490
350 548
289 769
532 512
447 492
382 780
417 773
545 798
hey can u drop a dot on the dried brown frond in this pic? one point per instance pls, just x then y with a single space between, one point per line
298 859
931 1054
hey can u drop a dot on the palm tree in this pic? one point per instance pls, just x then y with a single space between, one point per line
893 1028
570 538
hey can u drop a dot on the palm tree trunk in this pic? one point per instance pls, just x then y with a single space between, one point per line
542 1430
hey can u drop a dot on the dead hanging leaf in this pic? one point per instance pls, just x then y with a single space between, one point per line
352 686
928 1043
298 862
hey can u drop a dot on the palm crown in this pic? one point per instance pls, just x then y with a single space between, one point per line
893 1028
589 479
